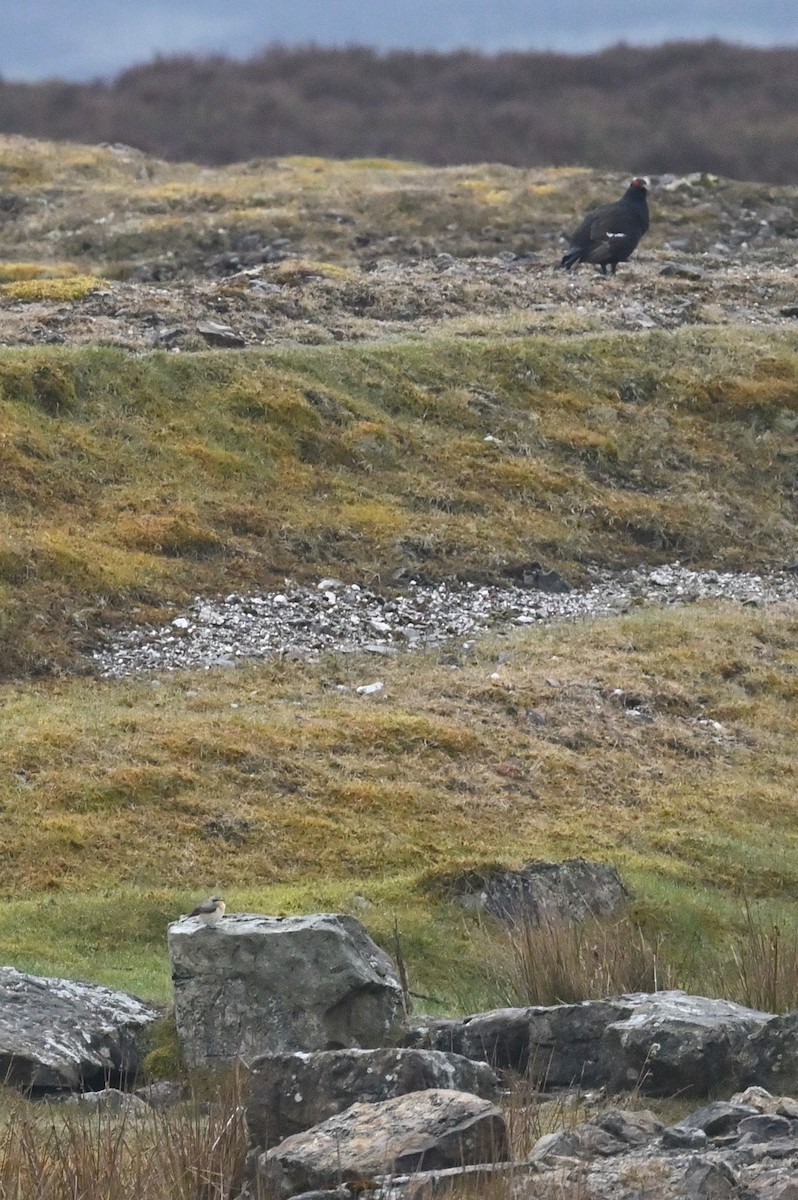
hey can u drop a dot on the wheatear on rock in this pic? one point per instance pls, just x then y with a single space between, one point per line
210 912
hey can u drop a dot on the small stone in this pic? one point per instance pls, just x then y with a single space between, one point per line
562 1144
682 271
216 334
755 1097
787 1107
109 1100
370 689
166 336
718 1118
710 1181
764 1127
677 1137
163 1094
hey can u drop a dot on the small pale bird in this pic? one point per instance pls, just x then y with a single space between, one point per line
210 912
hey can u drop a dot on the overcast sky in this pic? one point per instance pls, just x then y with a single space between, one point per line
82 39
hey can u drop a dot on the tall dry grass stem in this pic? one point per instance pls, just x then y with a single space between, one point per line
559 962
194 1151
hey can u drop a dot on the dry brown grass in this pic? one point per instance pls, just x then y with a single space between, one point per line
764 970
560 963
49 1152
565 963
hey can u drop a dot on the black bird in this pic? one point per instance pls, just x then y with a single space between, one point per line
609 234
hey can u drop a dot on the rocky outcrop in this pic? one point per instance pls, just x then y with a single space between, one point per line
725 1150
558 1044
254 985
287 1093
661 1042
673 1043
56 1033
746 1147
544 891
771 1057
430 1130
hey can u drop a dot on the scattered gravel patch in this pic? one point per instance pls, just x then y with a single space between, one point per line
334 616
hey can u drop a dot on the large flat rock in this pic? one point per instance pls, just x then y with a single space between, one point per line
57 1033
659 1042
429 1130
678 1043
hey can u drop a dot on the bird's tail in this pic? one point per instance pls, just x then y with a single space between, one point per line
570 258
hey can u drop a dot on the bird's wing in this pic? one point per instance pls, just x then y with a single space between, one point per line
584 233
202 910
612 235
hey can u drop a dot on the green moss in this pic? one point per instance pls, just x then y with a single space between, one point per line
164 1059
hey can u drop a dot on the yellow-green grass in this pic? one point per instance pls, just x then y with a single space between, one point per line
126 802
112 211
30 291
134 481
16 272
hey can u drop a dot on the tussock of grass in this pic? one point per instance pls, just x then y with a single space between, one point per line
60 290
765 958
756 964
15 272
559 963
197 1149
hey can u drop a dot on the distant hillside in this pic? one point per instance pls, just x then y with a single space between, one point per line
703 106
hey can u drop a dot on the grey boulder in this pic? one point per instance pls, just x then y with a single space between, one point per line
60 1034
678 1043
429 1130
287 1093
559 1044
272 985
542 892
659 1042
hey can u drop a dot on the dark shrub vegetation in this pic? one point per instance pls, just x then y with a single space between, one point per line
682 106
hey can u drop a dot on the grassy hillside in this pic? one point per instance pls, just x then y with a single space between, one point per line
125 800
407 403
131 481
